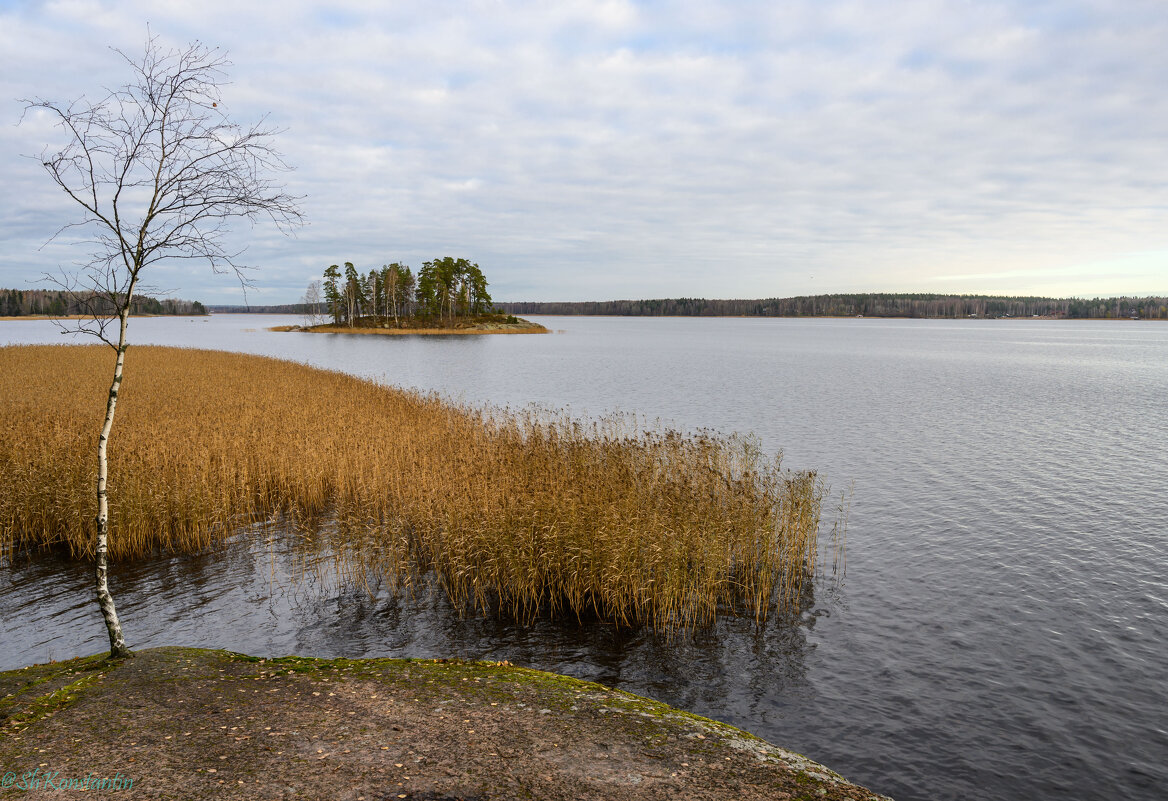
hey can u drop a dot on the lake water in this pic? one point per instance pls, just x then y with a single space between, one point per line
1002 632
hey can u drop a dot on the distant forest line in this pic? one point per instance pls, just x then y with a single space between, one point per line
867 305
279 308
59 303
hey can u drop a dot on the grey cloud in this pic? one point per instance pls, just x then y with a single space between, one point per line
592 150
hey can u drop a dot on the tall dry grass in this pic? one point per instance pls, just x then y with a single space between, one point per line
522 512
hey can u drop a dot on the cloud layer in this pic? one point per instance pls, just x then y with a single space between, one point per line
595 150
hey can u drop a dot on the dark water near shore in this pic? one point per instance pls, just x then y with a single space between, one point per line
1002 631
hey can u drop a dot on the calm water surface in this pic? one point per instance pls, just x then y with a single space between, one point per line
1003 628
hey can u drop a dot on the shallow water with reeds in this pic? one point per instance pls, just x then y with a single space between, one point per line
1002 631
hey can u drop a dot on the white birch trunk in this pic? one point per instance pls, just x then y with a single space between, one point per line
118 647
391 296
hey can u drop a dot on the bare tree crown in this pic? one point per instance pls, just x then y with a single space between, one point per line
159 170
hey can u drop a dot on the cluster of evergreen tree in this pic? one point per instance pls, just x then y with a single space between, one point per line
442 289
59 303
867 305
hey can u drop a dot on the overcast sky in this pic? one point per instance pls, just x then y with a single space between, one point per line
600 150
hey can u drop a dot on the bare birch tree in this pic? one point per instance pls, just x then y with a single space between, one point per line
312 301
158 172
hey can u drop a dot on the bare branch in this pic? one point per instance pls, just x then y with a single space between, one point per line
158 173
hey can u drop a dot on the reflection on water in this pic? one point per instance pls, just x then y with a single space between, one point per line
264 598
1004 628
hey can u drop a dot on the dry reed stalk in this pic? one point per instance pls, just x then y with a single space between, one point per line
526 512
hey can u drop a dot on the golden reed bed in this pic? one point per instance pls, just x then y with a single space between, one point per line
524 513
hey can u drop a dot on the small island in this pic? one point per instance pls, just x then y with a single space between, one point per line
447 296
483 324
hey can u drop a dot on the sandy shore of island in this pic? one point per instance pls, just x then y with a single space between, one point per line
524 327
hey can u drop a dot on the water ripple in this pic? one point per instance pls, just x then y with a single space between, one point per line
1003 630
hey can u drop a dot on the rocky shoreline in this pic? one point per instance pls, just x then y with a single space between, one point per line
192 723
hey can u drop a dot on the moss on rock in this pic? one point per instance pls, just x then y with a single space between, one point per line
184 722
